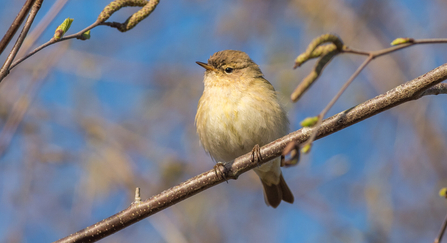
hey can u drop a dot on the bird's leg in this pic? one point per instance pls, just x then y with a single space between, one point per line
222 169
293 150
256 154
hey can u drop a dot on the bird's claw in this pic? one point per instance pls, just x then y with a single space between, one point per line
222 169
292 150
256 154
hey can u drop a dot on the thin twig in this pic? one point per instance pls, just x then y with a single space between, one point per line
336 97
51 42
441 231
15 25
371 55
389 50
435 90
135 212
5 68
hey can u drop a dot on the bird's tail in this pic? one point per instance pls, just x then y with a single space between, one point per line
274 194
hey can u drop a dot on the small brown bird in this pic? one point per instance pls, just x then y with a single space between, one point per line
239 110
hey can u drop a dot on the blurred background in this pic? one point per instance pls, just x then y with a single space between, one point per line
82 123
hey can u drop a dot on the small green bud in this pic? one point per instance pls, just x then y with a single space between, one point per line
443 192
309 121
62 29
306 148
85 35
400 41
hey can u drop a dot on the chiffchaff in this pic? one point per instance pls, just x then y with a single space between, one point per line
239 110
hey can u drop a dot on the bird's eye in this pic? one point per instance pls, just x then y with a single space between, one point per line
228 70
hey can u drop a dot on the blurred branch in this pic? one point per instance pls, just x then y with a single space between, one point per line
332 102
442 231
435 90
6 66
167 229
442 193
22 104
137 211
314 50
15 25
148 7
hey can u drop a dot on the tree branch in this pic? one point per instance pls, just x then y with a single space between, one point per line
435 90
51 42
5 69
441 231
336 97
15 25
137 211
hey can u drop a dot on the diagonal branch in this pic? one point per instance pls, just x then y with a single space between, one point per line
5 68
51 42
435 90
336 97
137 211
442 231
15 25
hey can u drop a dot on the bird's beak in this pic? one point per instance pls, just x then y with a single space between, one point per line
206 66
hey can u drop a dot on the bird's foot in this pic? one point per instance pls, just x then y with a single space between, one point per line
292 151
256 154
220 170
